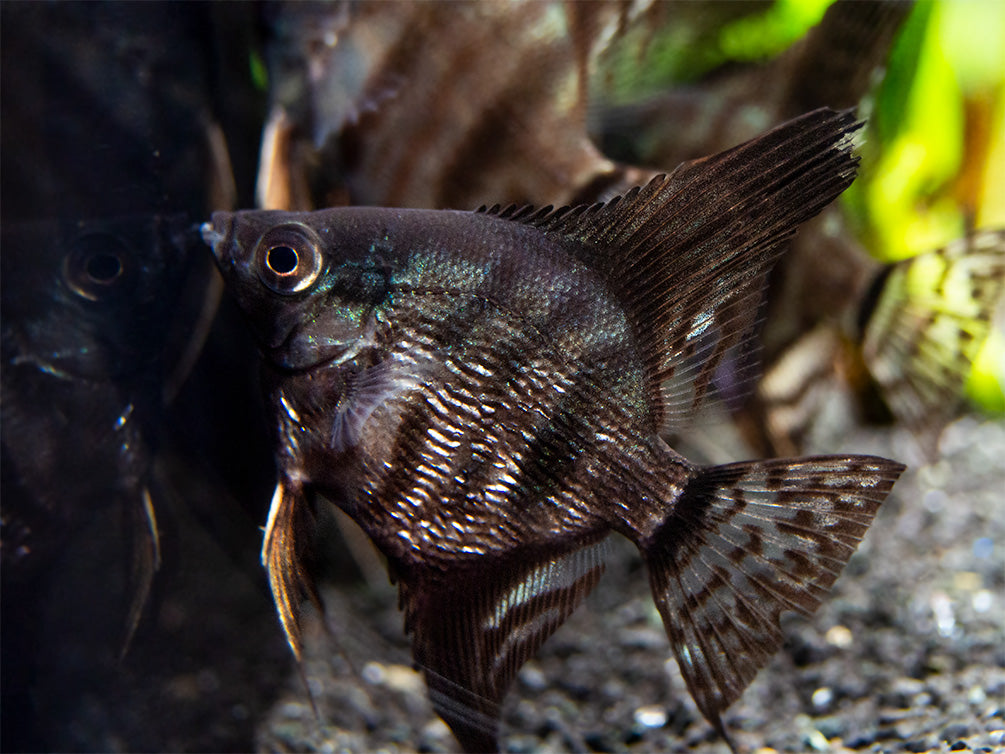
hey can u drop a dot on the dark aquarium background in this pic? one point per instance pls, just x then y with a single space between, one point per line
137 461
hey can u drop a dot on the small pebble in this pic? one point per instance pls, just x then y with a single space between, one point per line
822 698
436 730
959 746
976 695
532 677
402 678
294 711
651 716
908 687
373 673
955 731
839 636
816 740
981 601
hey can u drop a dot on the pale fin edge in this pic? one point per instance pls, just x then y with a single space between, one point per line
281 558
146 562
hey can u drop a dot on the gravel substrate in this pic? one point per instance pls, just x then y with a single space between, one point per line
907 655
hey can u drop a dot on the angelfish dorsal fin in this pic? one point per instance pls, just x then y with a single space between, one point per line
687 253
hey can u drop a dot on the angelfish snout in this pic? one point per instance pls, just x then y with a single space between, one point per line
215 231
210 234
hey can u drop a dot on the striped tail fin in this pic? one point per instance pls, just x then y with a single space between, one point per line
746 542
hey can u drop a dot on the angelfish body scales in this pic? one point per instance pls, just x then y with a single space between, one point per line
476 447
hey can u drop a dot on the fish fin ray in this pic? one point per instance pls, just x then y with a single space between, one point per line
746 542
365 392
471 635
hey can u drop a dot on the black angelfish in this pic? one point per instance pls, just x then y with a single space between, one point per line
485 394
84 332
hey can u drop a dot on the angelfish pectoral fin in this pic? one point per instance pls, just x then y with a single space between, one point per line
281 555
743 544
146 561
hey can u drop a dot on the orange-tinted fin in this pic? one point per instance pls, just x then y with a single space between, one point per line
282 556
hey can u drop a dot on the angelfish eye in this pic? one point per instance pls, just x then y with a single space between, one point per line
97 266
288 258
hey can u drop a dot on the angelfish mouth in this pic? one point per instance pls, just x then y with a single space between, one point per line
215 232
210 235
290 358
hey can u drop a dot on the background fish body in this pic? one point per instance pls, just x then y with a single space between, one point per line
427 104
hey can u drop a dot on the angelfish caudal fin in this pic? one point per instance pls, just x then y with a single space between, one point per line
743 544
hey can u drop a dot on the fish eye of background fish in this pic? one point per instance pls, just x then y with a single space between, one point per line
98 265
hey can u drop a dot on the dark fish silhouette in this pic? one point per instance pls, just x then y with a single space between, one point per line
96 189
85 328
111 147
485 393
86 311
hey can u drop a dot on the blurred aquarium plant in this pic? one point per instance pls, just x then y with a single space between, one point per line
934 158
767 34
700 38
